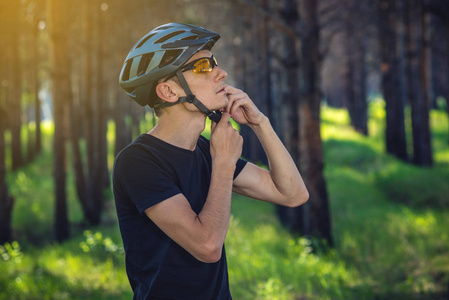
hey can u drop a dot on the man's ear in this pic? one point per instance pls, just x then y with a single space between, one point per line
166 92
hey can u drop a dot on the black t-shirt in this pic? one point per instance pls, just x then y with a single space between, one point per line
147 172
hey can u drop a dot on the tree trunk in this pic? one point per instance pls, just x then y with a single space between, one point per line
37 102
390 56
122 130
102 109
446 90
356 74
317 215
78 169
6 202
61 86
292 218
253 83
15 103
90 184
417 83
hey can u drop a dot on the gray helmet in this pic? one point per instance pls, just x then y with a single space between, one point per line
161 52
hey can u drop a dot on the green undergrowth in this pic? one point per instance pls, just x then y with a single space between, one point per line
390 223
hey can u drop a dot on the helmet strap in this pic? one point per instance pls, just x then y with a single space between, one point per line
189 98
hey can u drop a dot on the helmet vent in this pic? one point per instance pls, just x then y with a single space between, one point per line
144 62
192 37
169 56
144 40
168 36
127 70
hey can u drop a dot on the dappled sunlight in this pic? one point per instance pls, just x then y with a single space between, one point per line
61 272
389 223
384 215
415 231
281 265
334 116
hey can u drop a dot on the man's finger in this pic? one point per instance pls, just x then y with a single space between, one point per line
224 118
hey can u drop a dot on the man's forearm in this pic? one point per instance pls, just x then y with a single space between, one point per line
283 170
216 212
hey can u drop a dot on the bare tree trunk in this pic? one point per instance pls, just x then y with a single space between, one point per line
15 103
252 83
78 169
446 90
317 215
356 75
122 130
102 109
292 218
390 55
37 102
61 87
6 202
33 109
417 85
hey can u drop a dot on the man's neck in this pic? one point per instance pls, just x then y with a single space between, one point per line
182 130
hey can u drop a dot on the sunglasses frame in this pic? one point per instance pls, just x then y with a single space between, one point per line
191 65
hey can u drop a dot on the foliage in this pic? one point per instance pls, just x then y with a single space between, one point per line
266 262
390 219
390 224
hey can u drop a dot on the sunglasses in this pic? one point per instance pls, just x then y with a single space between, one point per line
201 65
198 66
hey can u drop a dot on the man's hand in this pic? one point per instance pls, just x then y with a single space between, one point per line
225 142
242 108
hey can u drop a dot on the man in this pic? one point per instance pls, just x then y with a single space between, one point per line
172 187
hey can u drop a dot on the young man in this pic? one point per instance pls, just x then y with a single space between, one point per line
172 187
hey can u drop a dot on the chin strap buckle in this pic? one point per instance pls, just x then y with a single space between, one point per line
190 98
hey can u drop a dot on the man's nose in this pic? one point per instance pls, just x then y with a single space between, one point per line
222 74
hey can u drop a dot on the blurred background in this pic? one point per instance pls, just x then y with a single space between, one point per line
357 90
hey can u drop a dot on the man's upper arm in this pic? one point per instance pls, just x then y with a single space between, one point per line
175 217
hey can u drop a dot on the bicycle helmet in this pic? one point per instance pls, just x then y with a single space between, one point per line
162 52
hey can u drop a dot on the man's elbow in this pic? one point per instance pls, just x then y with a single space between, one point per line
298 199
209 253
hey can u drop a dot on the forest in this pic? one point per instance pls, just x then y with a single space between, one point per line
358 91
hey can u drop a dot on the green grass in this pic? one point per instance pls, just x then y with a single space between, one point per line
390 225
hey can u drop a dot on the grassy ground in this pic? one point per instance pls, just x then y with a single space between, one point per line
390 224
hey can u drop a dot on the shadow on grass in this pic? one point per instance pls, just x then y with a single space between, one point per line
353 154
398 251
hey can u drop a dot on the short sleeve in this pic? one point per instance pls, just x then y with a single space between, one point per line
241 163
205 144
142 178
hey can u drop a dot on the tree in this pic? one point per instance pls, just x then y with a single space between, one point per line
57 15
15 103
391 79
254 63
300 98
293 218
35 16
6 202
355 83
91 178
440 48
310 144
417 81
